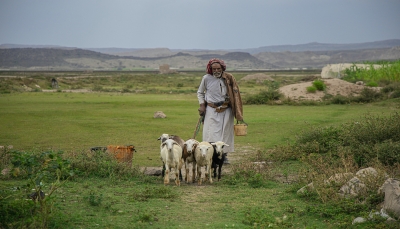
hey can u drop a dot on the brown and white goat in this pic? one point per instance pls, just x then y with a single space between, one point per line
188 158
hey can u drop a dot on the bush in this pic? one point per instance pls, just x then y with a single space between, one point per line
372 84
319 85
311 89
45 172
367 95
263 97
365 140
340 99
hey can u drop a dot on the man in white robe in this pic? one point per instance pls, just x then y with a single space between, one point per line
216 106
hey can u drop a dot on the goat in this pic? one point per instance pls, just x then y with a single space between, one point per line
188 157
218 157
203 155
179 140
171 155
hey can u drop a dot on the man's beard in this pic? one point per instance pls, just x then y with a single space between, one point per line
217 74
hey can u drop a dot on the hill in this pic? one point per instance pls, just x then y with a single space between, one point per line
22 57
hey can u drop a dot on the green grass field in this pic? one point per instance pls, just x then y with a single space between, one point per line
78 121
74 122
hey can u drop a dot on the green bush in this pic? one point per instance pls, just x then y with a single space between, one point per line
44 172
15 210
311 89
387 71
367 95
367 139
319 85
263 97
372 84
340 99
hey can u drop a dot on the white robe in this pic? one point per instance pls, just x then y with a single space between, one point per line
217 126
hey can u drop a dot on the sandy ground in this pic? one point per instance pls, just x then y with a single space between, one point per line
333 87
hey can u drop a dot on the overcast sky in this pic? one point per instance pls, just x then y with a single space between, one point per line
196 24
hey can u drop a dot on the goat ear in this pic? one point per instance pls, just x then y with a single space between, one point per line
159 138
213 143
226 144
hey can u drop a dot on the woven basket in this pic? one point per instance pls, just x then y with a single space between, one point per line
240 129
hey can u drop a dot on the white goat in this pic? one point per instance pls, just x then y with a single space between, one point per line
171 155
188 157
203 155
178 140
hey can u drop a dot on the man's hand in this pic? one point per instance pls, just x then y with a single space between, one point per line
202 109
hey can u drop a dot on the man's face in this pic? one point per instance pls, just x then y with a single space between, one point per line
216 69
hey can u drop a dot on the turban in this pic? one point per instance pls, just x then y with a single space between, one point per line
213 61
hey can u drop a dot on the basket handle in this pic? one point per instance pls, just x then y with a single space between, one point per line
241 122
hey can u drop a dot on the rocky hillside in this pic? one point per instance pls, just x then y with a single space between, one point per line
59 58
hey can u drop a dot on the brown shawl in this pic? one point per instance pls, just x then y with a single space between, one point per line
234 96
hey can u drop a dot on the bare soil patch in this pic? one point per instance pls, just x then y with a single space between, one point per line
333 87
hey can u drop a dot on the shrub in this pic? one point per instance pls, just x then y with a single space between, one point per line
340 99
319 85
100 164
263 97
15 211
311 89
45 172
367 139
367 95
372 84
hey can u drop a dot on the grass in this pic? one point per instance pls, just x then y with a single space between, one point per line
375 72
123 205
74 122
77 121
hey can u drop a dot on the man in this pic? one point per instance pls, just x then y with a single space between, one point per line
220 103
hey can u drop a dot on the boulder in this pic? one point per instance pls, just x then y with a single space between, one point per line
352 188
391 203
367 173
159 114
152 171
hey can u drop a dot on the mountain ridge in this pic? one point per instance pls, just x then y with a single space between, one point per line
67 58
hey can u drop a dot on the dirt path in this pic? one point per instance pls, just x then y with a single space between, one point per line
241 153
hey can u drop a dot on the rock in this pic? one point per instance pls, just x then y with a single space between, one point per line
305 189
159 114
5 171
352 188
359 220
152 171
339 178
391 203
367 172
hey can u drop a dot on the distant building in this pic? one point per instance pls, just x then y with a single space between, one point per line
164 69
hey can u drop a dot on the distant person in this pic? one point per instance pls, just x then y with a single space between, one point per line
220 102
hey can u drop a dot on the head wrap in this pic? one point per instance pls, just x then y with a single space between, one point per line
213 61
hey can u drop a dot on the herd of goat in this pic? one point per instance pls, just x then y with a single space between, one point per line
175 152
